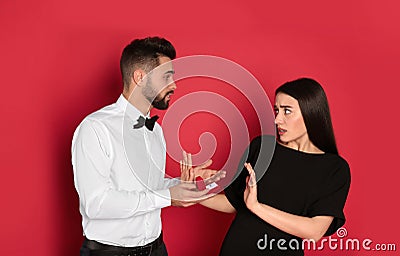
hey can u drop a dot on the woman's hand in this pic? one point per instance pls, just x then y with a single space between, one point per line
250 194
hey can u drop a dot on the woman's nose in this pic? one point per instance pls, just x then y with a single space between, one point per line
278 119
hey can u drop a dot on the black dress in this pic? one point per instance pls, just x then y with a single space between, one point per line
296 182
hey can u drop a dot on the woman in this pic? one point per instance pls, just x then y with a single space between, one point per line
303 192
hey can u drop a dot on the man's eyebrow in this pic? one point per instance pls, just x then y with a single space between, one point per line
170 72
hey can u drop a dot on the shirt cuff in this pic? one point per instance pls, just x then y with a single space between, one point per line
162 198
175 181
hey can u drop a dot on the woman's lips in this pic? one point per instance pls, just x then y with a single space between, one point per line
281 131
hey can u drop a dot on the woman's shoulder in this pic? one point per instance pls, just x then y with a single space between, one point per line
262 144
337 160
264 138
338 166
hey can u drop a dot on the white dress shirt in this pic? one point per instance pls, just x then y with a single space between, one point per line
119 176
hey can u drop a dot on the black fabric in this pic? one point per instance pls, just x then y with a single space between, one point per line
148 122
94 248
296 182
160 251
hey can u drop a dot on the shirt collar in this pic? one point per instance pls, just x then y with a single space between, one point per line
129 109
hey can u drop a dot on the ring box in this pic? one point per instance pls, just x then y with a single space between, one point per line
200 183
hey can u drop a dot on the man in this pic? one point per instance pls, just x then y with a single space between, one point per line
118 157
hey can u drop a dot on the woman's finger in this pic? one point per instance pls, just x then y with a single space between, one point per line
252 178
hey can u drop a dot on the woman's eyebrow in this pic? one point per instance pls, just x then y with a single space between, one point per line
283 106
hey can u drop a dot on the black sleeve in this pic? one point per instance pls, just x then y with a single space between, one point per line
332 197
235 191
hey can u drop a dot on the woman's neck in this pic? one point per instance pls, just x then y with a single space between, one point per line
303 145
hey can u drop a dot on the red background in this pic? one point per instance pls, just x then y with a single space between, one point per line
60 62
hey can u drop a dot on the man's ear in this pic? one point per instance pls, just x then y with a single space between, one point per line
137 77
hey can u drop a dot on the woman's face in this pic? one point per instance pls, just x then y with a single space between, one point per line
289 120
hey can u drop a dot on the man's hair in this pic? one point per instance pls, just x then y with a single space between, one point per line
144 53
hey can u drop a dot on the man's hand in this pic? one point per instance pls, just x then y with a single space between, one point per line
188 173
186 194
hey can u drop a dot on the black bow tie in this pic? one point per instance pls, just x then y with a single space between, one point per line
148 122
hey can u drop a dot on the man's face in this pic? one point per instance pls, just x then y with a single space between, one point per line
159 84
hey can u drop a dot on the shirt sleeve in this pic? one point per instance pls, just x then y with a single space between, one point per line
170 182
332 197
92 160
166 182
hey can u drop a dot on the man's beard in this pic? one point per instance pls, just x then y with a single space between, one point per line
150 93
161 103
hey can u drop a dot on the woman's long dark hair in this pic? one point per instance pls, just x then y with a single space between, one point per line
315 110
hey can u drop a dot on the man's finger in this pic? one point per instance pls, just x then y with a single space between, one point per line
215 178
184 155
189 158
191 175
205 164
197 195
188 185
205 173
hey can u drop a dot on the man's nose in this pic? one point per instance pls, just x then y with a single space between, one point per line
172 85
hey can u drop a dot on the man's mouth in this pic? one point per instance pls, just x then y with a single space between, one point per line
168 96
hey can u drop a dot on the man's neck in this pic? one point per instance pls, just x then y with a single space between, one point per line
140 103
